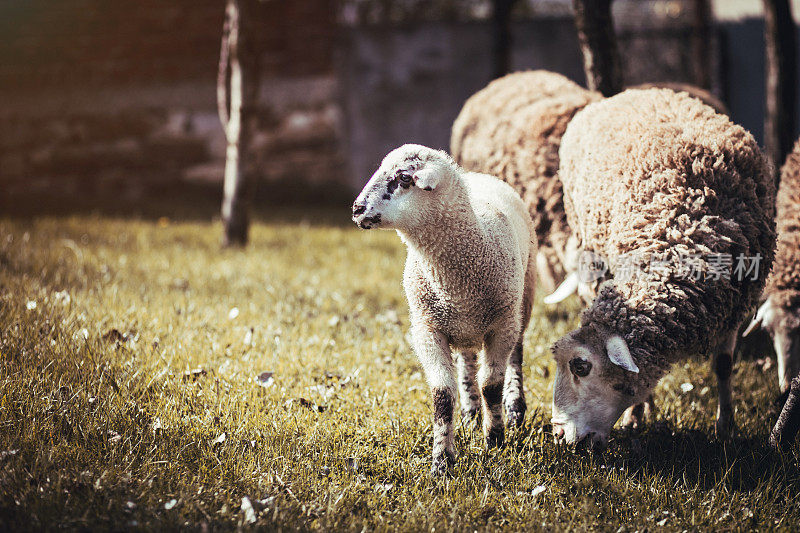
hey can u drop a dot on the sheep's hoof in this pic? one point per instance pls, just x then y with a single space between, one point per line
724 427
495 437
633 418
442 463
515 413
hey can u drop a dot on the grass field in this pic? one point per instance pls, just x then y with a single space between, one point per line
130 356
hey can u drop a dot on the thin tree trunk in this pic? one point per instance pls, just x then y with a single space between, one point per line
780 38
501 36
237 87
788 424
601 61
701 43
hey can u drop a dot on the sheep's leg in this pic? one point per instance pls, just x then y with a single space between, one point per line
469 396
513 394
497 350
635 416
723 367
433 352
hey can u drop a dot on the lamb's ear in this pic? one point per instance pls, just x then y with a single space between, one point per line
763 318
620 355
427 178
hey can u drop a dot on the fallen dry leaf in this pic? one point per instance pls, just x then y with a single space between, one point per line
265 379
194 374
114 335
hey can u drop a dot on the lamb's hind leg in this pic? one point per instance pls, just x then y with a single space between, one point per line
722 363
433 352
469 396
513 394
495 356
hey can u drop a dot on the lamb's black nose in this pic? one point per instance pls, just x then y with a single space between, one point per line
358 209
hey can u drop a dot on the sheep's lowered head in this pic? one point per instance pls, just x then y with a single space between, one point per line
596 380
782 322
409 183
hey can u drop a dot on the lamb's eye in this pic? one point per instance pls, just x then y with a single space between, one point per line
580 367
404 177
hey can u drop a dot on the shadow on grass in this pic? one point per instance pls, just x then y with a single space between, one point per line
695 458
684 457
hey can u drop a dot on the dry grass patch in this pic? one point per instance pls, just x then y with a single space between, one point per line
130 356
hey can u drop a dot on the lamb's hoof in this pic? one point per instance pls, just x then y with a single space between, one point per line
724 427
495 437
442 463
515 413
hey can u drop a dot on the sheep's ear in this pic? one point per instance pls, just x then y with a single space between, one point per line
427 178
620 355
763 318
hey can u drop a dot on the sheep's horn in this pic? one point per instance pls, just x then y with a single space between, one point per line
567 287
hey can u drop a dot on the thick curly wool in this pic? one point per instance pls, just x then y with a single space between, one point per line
783 286
658 173
512 129
704 96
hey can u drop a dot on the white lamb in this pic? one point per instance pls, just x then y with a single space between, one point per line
469 280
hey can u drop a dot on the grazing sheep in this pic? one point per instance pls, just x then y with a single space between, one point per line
512 129
780 312
680 203
469 281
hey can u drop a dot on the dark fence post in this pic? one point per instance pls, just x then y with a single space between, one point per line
780 38
601 61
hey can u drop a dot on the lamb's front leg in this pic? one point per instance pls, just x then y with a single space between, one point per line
433 352
495 356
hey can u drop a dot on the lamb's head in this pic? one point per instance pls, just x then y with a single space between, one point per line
596 380
782 322
409 182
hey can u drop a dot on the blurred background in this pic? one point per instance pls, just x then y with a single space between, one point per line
114 104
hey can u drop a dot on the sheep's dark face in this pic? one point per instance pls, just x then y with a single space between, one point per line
783 325
595 381
397 194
